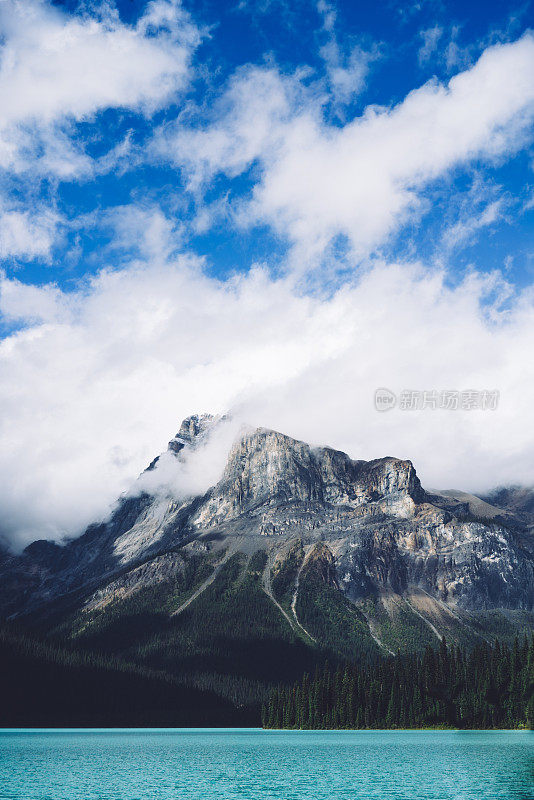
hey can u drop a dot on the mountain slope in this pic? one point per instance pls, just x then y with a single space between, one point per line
47 686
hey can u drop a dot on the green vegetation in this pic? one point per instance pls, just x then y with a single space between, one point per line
398 627
285 576
232 640
504 624
491 686
332 619
116 626
133 661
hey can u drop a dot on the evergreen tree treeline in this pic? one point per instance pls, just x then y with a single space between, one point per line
491 686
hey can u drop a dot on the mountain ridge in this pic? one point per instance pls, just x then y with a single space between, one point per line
333 557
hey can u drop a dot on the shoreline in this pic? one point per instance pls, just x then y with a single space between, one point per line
156 729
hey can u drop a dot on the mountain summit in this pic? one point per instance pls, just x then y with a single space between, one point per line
291 555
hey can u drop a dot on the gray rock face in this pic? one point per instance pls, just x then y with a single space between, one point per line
384 534
192 430
267 469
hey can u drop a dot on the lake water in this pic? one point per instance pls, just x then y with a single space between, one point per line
250 764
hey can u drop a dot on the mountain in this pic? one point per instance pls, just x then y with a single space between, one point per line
293 556
516 500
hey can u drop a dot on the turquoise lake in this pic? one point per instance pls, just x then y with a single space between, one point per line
286 765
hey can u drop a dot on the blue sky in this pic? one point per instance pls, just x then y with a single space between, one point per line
267 206
406 46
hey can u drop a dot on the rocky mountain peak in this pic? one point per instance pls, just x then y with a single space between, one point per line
268 464
191 429
268 469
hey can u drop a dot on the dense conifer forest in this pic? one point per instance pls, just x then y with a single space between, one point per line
490 686
47 686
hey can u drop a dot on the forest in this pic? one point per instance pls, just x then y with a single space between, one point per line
231 658
46 686
489 686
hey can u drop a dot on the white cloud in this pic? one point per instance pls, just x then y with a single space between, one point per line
58 69
96 381
346 72
456 56
361 180
55 64
430 37
248 122
348 75
196 469
143 229
466 229
33 304
27 234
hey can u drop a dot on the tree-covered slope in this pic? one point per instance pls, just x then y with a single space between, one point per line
231 639
44 685
490 686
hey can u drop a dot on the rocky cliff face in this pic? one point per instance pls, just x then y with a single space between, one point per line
387 546
193 430
267 471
